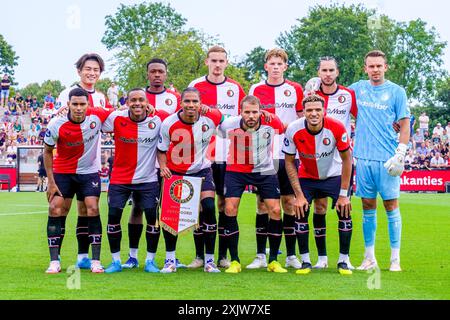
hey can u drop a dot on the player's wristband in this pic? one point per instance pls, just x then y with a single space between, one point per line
343 193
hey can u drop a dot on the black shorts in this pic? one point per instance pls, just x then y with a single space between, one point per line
83 185
235 183
42 173
218 171
317 189
283 179
208 181
145 195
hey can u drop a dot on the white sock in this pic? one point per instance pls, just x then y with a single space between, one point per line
170 255
82 255
150 256
262 256
343 258
323 259
133 253
395 254
305 257
116 256
370 253
209 257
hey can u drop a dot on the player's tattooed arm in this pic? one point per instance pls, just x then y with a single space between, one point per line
301 205
52 188
162 160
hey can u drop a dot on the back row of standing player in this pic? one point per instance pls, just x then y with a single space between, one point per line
277 95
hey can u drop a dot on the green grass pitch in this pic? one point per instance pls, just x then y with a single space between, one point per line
425 260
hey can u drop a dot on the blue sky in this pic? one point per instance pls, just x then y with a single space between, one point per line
49 36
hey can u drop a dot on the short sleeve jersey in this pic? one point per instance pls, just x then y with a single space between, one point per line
340 105
77 150
378 108
186 144
226 97
283 100
318 152
135 146
167 100
250 151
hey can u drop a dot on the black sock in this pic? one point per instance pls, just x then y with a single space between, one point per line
63 232
54 236
320 230
134 235
114 230
152 231
262 221
289 234
209 224
170 240
95 236
275 232
232 236
302 231
345 234
83 235
199 242
222 241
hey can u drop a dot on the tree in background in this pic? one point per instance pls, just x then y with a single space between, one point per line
253 64
40 90
8 58
349 32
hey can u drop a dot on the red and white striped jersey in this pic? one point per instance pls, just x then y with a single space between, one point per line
226 97
96 98
135 155
283 100
167 100
319 153
250 151
77 144
340 105
186 144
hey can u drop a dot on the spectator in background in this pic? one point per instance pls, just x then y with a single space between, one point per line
34 106
448 127
33 141
437 162
417 139
438 130
49 98
113 95
12 107
32 131
412 123
444 137
42 174
21 139
28 102
123 99
41 135
2 140
422 149
108 140
11 153
423 122
17 127
4 92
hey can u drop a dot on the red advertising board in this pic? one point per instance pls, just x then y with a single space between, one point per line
424 180
12 175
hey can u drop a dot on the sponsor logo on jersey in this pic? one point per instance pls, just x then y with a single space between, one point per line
342 99
286 142
316 156
181 191
205 127
285 105
287 93
230 93
48 133
225 106
169 102
151 125
344 137
93 125
326 141
336 111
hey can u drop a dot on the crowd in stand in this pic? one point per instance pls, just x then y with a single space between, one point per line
24 121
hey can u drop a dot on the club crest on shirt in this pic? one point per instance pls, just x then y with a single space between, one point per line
205 127
168 102
93 125
287 93
266 135
286 142
230 93
342 99
326 141
181 191
151 125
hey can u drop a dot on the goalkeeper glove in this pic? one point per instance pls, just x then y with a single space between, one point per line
396 164
312 86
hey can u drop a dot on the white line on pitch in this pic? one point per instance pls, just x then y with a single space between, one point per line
22 213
